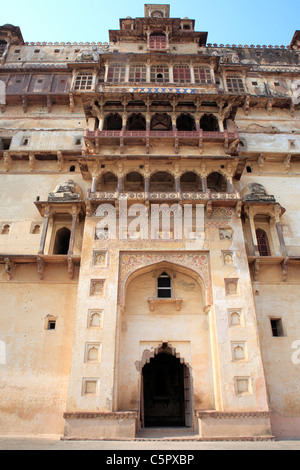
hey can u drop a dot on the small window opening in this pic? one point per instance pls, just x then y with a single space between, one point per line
51 325
164 290
25 141
72 168
5 229
249 169
277 328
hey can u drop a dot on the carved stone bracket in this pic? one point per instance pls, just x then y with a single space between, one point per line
153 302
40 267
10 268
284 269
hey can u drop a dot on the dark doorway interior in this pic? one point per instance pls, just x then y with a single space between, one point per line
62 240
163 391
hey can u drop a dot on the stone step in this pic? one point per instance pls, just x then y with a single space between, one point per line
166 433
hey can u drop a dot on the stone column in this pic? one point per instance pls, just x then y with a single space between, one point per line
229 184
177 184
127 72
106 71
94 184
250 215
72 236
279 231
120 184
192 73
148 72
204 183
171 77
147 185
212 72
44 232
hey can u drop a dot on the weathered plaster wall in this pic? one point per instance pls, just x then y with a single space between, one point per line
35 369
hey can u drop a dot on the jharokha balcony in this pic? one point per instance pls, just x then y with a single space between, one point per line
94 139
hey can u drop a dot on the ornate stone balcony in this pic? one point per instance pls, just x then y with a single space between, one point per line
208 198
93 139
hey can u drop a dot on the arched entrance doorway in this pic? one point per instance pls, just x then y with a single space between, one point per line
165 391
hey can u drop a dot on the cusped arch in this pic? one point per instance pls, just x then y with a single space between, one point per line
194 265
165 348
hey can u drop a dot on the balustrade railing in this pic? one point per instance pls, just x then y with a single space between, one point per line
171 134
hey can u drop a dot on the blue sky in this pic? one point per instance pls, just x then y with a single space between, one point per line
269 22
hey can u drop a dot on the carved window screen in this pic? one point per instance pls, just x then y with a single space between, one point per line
159 74
235 84
202 75
262 241
116 73
181 74
138 74
83 81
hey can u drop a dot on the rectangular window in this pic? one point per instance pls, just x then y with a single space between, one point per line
159 74
116 73
164 290
137 74
277 327
51 325
158 41
84 81
202 75
235 84
181 74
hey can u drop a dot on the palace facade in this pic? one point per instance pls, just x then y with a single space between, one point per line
112 325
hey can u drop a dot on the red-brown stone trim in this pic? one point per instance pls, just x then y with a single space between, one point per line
101 415
232 414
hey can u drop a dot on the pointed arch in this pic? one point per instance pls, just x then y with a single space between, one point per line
193 264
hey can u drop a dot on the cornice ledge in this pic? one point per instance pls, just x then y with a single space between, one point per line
101 415
232 414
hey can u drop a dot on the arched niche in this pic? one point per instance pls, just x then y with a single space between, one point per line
113 122
108 182
161 122
136 122
190 181
134 181
185 122
216 182
162 181
209 123
194 265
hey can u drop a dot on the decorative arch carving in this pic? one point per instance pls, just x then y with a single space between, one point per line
194 264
